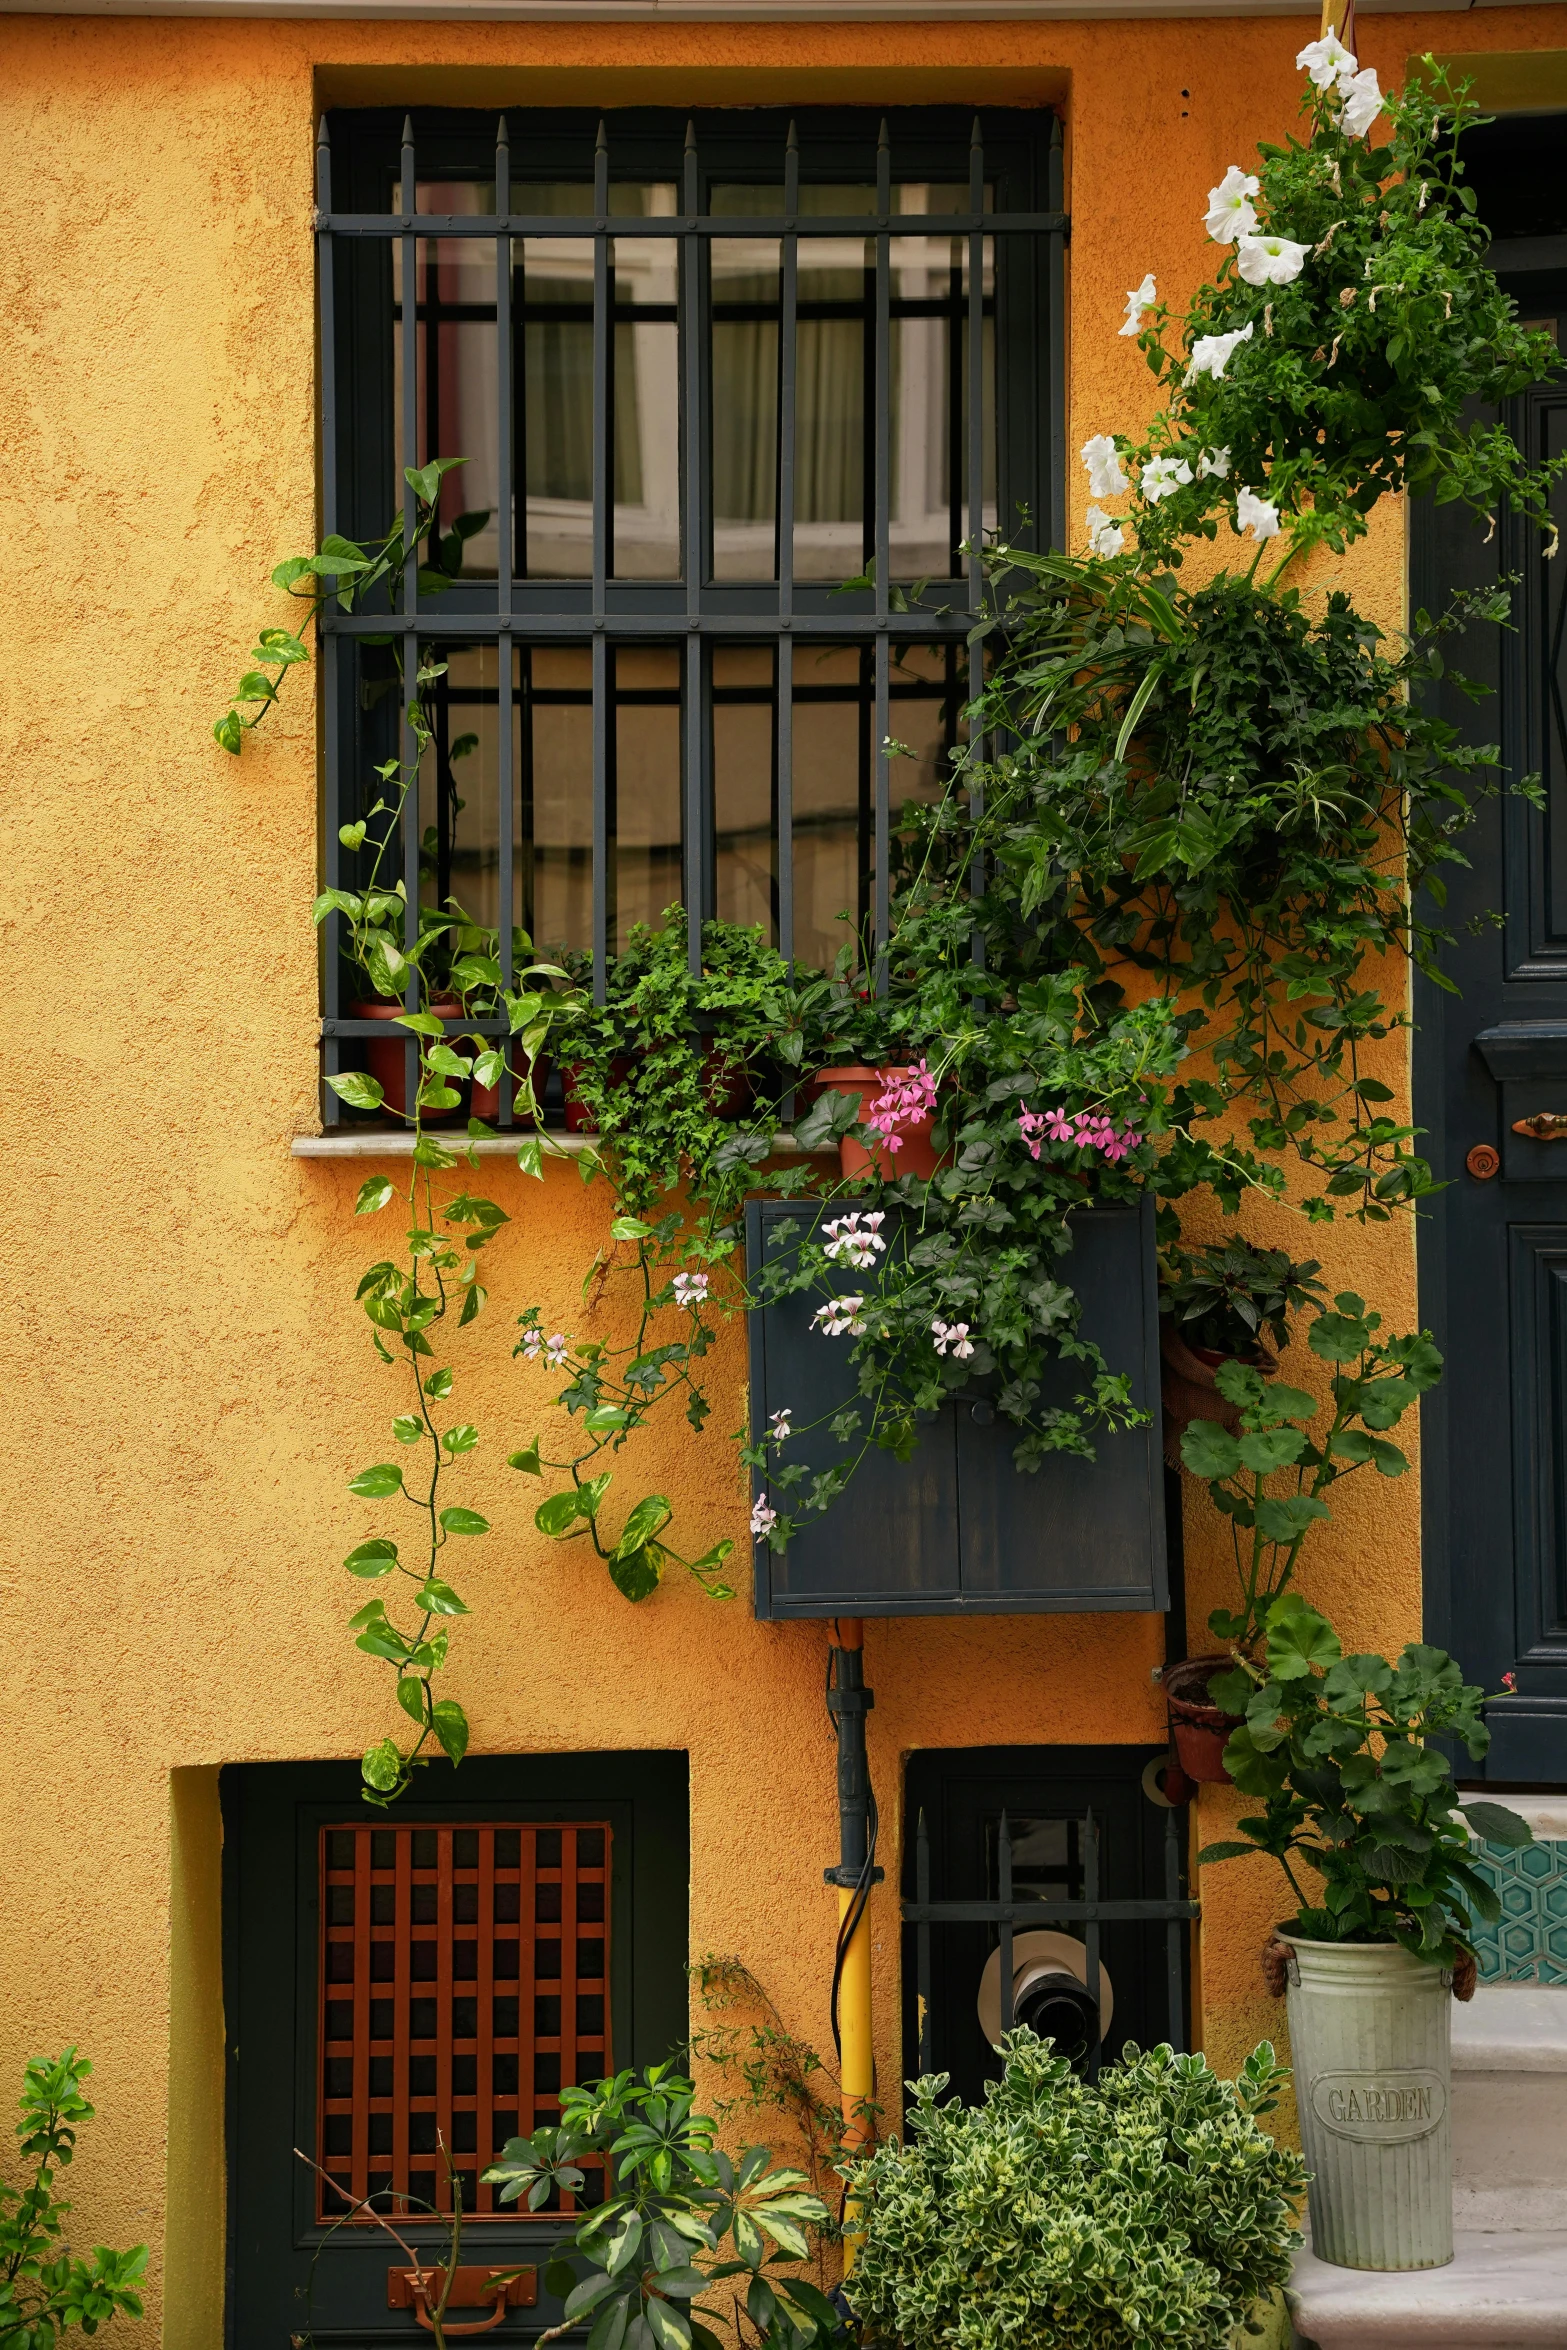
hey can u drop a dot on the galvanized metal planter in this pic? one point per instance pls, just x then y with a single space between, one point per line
959 1530
1371 2031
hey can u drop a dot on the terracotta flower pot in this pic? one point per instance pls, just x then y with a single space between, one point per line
1188 1386
385 1058
1200 1731
918 1155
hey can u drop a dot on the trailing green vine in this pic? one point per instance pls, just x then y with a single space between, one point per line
429 1289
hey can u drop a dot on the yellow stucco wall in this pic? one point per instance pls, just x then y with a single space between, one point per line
189 1384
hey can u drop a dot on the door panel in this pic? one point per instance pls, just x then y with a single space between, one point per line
1493 1244
441 1971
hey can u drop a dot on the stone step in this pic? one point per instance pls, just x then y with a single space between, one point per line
1510 2107
1503 2290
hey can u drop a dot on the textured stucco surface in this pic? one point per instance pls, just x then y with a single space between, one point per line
191 1386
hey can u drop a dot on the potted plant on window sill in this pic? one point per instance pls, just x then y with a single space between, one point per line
1337 1747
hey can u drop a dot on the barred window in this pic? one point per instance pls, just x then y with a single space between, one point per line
733 396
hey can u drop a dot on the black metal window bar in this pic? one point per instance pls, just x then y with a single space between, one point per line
1088 1911
901 644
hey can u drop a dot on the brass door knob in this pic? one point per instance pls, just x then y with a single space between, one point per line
1543 1126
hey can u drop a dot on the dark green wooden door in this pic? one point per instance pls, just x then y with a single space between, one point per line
436 1971
1493 1246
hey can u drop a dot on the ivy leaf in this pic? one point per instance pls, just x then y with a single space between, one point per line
439 1598
559 1514
372 1558
650 1516
636 1574
374 1193
527 1460
451 1728
375 1484
381 1767
360 1093
462 1521
410 1696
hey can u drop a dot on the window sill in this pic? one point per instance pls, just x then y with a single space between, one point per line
367 1143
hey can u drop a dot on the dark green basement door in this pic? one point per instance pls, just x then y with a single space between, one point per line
431 1977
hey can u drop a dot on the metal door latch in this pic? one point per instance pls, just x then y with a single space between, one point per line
498 2289
1543 1126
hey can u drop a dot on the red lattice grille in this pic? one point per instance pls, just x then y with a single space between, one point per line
464 1982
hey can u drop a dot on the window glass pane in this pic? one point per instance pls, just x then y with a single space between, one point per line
745 296
835 363
646 526
832 797
553 298
457 391
555 899
644 794
745 792
459 785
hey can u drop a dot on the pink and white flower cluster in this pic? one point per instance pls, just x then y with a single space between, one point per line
953 1334
840 1314
907 1099
690 1289
763 1519
554 1349
1088 1130
856 1239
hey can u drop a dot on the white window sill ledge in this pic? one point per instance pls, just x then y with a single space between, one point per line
368 1144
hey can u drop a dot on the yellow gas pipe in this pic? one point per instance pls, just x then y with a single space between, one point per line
849 1701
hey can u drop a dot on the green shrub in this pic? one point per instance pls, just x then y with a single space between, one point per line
1147 2207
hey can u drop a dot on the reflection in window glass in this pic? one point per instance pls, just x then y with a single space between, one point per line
745 786
834 376
459 788
833 713
457 384
644 787
555 768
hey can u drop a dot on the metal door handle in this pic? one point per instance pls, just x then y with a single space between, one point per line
1543 1126
415 2289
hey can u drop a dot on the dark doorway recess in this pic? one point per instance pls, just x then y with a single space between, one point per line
1046 1793
1493 1245
451 1964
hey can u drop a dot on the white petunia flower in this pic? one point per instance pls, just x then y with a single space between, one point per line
1162 476
1137 301
1211 353
1105 537
1327 61
1105 478
1269 260
763 1519
1214 465
1362 103
1255 514
1229 211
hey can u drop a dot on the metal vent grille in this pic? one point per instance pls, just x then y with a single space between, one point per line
464 1982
